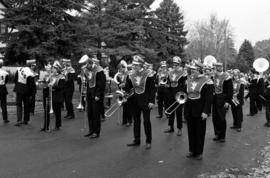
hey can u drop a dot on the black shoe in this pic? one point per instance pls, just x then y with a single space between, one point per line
66 116
216 138
18 124
169 131
70 117
6 121
267 125
233 127
25 123
179 132
222 140
190 155
159 117
56 129
87 135
134 144
238 129
148 146
94 135
198 157
43 130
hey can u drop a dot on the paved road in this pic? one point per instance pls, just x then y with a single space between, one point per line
26 152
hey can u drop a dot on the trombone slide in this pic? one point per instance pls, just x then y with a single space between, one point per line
180 98
172 108
112 109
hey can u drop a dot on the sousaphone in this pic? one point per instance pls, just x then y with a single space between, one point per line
261 65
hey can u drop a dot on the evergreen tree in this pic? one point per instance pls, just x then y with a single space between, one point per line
41 29
119 24
167 29
245 57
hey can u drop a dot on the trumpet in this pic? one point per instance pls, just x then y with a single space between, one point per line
122 98
180 98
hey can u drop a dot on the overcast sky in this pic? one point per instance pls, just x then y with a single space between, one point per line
250 19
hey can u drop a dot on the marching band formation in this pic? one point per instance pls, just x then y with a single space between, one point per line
190 93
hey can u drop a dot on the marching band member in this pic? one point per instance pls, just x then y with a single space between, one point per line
222 98
95 90
120 79
143 99
237 101
197 110
252 93
102 107
3 91
25 88
46 96
260 91
266 95
108 88
162 88
33 98
57 84
177 79
69 74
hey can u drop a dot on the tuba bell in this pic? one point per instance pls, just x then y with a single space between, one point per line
180 98
209 61
261 65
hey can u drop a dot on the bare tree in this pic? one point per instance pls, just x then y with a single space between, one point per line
212 36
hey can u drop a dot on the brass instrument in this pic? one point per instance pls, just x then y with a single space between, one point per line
163 81
261 65
209 60
121 98
180 98
235 101
83 92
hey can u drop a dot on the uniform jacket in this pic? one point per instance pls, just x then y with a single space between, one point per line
148 96
3 88
28 89
194 108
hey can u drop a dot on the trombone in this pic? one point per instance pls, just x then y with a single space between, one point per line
180 98
122 98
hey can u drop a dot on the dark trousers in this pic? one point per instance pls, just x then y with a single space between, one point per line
56 106
32 104
259 103
3 99
252 106
162 102
102 107
196 134
237 113
57 112
179 116
46 107
127 112
219 117
93 110
68 102
267 113
22 99
146 123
